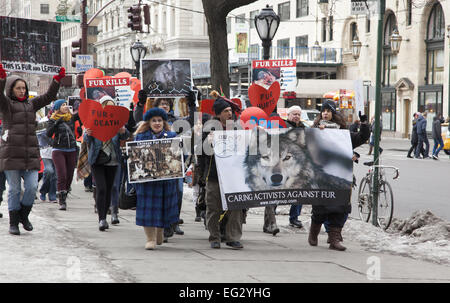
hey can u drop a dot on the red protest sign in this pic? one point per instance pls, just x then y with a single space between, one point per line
104 122
263 98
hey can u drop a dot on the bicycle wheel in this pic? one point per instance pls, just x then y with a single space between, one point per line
364 200
385 205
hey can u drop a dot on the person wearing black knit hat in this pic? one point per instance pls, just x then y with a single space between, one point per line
233 226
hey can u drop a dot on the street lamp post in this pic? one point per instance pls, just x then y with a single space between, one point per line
266 24
138 51
396 41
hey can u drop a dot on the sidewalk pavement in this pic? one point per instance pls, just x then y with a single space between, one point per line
66 246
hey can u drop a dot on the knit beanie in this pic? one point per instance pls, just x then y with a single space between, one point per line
329 104
155 112
57 104
219 105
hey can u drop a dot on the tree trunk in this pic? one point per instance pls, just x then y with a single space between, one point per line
216 12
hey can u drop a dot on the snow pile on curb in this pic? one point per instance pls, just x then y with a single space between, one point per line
423 236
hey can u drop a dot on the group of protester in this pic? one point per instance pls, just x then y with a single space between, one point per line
158 202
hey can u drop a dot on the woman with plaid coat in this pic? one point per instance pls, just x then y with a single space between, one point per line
157 205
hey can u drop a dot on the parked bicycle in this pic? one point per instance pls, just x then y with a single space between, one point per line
385 195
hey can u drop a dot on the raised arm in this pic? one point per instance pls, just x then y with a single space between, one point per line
50 95
3 100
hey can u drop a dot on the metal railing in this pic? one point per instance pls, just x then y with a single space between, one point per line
322 55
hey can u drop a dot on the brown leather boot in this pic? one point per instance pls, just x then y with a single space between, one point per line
340 238
314 233
334 234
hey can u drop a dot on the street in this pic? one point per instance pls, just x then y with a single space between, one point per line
423 183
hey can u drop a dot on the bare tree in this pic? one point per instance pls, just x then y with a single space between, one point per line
216 12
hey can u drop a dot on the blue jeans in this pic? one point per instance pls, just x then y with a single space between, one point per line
438 142
30 184
116 187
49 180
294 212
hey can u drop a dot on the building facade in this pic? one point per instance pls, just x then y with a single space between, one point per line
415 79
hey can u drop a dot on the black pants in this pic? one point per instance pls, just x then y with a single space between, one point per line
104 180
333 219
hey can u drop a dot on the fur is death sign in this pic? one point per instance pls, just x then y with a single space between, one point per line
283 166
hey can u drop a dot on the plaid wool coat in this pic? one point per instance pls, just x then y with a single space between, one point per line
157 200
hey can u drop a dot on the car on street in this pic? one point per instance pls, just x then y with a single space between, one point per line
308 116
445 133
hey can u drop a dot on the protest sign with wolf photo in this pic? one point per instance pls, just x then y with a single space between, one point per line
283 166
155 160
166 77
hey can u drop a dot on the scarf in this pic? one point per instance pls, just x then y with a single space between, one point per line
64 117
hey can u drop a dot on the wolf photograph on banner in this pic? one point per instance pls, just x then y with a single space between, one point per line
155 160
166 77
275 167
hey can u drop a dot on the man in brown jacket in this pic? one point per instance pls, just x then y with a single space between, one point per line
19 148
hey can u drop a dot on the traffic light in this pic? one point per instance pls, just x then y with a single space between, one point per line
134 15
76 50
146 9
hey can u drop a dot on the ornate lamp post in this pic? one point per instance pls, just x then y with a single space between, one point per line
138 51
266 24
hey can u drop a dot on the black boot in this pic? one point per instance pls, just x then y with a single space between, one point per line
62 195
177 229
24 212
14 218
114 215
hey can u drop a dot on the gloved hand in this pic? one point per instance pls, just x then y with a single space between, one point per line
362 118
191 98
60 75
142 96
2 72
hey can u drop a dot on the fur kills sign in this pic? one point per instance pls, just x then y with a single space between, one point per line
118 88
106 121
283 166
266 72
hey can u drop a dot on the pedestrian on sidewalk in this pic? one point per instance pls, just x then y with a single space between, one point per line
103 157
414 137
61 127
233 228
167 104
335 215
294 121
49 178
422 136
19 148
157 201
437 135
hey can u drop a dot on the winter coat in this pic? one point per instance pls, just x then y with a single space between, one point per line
436 129
357 138
95 145
19 147
421 126
63 139
414 138
290 124
157 201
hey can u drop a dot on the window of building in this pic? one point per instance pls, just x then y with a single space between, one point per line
228 25
254 52
435 46
45 9
240 18
330 28
367 24
283 49
252 18
388 110
302 8
430 101
324 29
301 48
284 11
408 12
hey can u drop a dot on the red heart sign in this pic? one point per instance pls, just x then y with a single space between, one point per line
263 98
104 122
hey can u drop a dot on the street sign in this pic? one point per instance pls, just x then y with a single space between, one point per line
84 63
68 18
364 7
